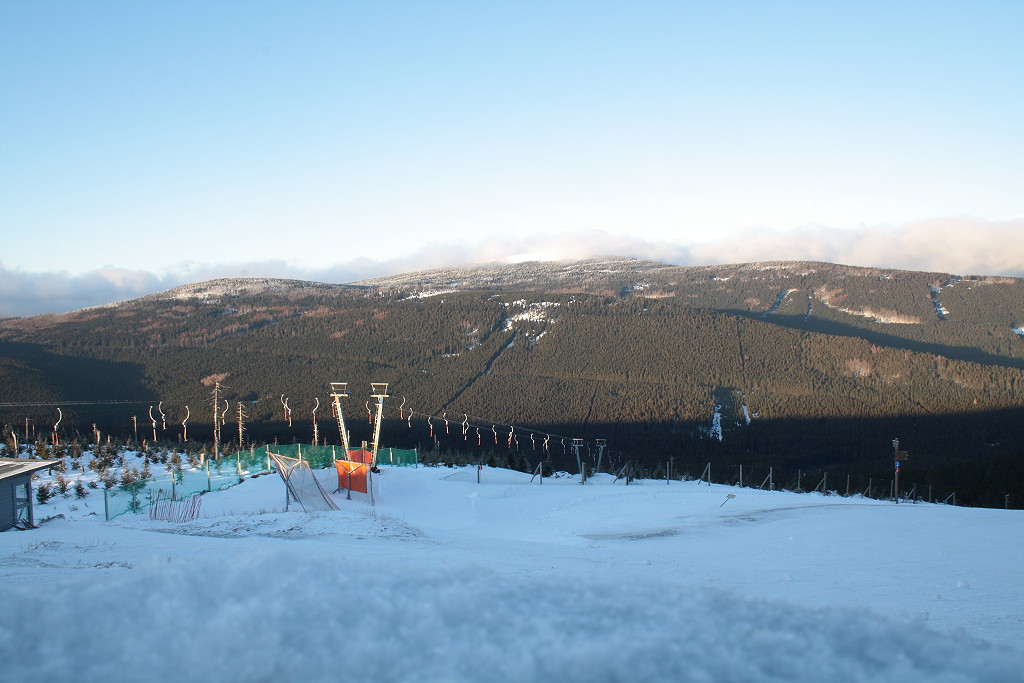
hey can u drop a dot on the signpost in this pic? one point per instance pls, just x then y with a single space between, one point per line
898 457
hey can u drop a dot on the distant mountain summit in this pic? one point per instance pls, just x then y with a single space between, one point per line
609 274
240 286
521 274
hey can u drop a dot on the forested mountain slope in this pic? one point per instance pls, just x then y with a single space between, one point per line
803 364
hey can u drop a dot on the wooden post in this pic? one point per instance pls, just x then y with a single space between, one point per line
216 418
241 424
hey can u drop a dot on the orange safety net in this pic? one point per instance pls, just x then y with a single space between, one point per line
360 455
352 475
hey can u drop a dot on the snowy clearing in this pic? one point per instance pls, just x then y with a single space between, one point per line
447 579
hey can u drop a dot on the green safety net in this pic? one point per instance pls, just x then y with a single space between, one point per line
230 470
324 456
139 495
399 457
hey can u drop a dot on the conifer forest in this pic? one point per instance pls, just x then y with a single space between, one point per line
806 366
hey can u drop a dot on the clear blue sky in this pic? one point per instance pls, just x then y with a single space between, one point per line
147 143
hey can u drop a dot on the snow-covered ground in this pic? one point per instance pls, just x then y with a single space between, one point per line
450 580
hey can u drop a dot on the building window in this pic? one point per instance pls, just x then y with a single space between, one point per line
22 505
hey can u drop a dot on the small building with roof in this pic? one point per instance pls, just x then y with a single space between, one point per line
16 491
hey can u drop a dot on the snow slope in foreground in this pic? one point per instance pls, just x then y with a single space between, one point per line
506 580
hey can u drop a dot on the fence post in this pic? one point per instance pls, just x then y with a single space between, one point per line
741 476
106 508
209 486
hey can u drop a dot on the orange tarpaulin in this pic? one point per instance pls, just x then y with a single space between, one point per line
360 455
352 475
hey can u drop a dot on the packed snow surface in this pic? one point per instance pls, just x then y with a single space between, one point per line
507 580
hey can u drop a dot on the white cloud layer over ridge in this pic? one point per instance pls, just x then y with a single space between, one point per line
957 245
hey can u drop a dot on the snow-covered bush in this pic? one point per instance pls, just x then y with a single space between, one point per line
44 492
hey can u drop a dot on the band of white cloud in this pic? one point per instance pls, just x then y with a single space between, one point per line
957 245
